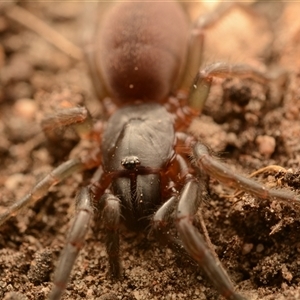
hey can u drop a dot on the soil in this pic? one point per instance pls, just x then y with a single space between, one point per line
249 124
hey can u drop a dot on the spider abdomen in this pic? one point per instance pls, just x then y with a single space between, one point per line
141 53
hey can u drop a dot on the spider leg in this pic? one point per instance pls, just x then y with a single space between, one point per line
207 163
109 212
200 86
210 19
161 224
190 199
203 81
41 188
92 17
194 57
75 241
196 42
110 209
162 218
78 118
162 227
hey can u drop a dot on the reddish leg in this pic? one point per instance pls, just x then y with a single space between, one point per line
75 242
208 164
41 188
189 202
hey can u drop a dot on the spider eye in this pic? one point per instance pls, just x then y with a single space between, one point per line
130 162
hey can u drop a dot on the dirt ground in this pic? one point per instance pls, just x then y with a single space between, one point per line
251 125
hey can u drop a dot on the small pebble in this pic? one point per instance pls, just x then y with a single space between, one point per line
14 296
260 248
247 248
26 108
13 181
266 145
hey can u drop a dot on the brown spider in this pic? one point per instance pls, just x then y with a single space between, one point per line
144 173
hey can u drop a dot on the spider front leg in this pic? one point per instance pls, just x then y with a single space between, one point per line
75 241
189 202
110 211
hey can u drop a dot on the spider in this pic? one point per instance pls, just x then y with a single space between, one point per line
144 171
